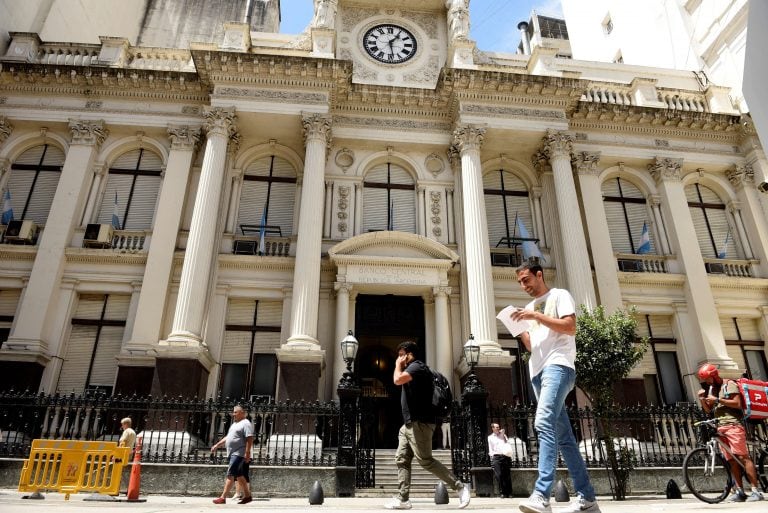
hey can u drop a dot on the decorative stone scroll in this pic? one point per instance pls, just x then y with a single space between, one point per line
183 137
666 169
88 132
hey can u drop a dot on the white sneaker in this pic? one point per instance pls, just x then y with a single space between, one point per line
536 503
580 504
396 503
464 496
755 496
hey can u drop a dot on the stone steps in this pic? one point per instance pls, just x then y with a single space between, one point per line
423 483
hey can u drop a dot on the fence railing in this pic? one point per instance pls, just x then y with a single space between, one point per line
173 431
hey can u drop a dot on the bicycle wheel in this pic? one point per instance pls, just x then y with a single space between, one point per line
707 483
762 470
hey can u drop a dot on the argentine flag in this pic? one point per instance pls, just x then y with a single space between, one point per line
530 249
391 222
263 231
645 241
722 254
7 208
115 215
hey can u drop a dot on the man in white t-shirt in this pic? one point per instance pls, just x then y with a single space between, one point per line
552 342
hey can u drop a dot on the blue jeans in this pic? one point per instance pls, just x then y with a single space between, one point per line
553 428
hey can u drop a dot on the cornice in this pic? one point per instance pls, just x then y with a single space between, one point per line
252 263
104 256
390 261
652 279
658 122
731 283
10 252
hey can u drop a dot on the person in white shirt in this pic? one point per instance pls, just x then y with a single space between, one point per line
551 339
500 463
128 438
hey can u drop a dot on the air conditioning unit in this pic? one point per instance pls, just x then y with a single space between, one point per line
244 247
98 235
21 232
502 259
629 266
715 268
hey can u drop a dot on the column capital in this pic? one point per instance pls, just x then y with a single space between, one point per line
184 137
664 169
316 127
90 133
654 200
540 161
441 291
5 165
733 206
342 286
536 192
585 162
5 129
468 138
557 144
220 121
99 168
740 175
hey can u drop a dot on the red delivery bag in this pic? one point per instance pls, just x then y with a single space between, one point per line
754 398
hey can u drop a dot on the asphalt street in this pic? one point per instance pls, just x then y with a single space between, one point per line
11 502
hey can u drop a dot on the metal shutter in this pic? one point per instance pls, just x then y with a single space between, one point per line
77 359
374 209
403 201
141 211
270 314
282 198
748 328
718 223
9 300
516 206
636 214
237 344
20 183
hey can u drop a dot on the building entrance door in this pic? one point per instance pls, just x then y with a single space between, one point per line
381 323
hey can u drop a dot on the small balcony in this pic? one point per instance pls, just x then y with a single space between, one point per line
630 263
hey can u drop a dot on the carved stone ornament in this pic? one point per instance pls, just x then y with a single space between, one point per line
741 175
316 127
540 162
5 129
434 164
666 169
183 137
434 199
557 144
219 121
468 138
88 132
345 158
342 205
585 163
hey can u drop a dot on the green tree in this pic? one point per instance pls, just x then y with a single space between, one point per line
607 349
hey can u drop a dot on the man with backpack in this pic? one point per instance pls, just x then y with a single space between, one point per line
415 436
723 400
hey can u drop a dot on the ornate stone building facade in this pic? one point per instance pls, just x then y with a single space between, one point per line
214 220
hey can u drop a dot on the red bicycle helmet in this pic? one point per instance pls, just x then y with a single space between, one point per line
708 371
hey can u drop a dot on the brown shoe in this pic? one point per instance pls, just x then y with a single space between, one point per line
245 500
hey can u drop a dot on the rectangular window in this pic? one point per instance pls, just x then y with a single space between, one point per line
232 379
264 374
756 365
672 390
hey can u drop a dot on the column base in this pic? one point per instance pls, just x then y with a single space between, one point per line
134 380
178 377
299 373
20 375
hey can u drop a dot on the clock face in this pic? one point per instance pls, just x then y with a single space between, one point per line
389 43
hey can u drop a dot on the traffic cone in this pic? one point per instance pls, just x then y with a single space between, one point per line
441 493
135 482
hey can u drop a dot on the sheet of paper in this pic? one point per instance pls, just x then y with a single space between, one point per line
514 327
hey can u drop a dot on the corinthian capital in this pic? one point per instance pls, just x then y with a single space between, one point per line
183 137
5 129
540 162
468 138
557 144
316 127
665 169
585 162
88 132
740 175
219 121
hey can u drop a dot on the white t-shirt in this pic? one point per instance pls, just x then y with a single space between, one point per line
549 347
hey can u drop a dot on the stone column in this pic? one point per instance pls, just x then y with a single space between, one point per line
358 209
538 219
328 209
655 203
707 344
597 225
443 345
28 341
99 171
198 257
750 218
421 227
550 217
301 357
430 350
557 148
139 350
467 140
734 208
234 200
450 221
306 274
342 327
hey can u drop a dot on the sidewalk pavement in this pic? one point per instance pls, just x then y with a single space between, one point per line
11 502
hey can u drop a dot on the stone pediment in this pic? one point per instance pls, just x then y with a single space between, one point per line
391 246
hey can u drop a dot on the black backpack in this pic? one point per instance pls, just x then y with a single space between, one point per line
442 398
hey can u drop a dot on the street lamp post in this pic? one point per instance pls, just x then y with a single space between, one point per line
348 392
474 398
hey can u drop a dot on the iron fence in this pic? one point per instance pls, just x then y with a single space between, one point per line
173 430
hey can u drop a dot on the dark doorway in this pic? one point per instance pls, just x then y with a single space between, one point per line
381 323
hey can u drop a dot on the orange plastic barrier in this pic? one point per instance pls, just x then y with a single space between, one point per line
72 466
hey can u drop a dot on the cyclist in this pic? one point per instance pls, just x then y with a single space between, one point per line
723 399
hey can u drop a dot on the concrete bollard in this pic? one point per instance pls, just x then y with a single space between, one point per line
441 493
316 494
561 492
673 491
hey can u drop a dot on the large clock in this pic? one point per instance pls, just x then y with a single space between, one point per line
389 43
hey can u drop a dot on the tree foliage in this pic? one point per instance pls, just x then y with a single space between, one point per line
607 349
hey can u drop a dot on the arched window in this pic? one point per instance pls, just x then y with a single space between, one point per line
32 183
389 202
268 195
133 183
627 214
711 223
507 208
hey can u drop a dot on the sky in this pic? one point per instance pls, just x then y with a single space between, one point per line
493 23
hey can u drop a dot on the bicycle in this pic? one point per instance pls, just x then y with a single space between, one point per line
708 475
